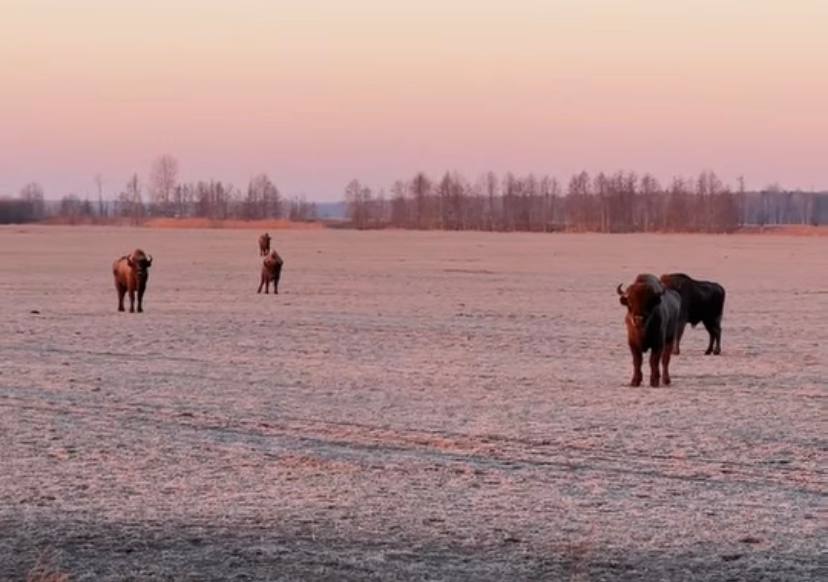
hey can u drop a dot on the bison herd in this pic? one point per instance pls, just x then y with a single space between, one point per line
132 273
658 309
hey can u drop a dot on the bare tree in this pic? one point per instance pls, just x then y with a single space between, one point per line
131 202
358 199
649 212
421 191
299 209
74 209
263 199
163 180
400 215
99 185
492 193
32 196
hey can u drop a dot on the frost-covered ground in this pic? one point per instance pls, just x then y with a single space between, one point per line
414 406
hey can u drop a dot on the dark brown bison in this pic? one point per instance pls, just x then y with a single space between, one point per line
701 301
271 271
264 244
131 275
652 324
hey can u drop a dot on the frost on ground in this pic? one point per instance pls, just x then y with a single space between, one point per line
413 406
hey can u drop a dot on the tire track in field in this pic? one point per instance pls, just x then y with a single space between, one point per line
367 444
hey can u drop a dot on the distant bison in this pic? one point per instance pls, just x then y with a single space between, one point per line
264 244
271 271
701 301
652 323
131 274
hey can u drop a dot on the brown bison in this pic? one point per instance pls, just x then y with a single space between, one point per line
264 244
271 271
701 301
652 324
131 275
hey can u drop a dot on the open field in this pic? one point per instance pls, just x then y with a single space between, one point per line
413 406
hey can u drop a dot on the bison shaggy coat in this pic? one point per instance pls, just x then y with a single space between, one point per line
271 271
652 323
131 275
701 301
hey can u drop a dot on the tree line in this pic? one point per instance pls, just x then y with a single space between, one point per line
162 195
619 202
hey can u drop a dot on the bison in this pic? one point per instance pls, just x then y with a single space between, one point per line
701 301
271 271
264 244
652 324
131 274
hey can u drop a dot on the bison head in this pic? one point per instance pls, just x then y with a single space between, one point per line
273 260
140 262
640 299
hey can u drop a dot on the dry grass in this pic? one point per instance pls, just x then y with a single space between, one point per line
273 224
283 224
45 570
188 223
84 221
414 405
576 556
786 230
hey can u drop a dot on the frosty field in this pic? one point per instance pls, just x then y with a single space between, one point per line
412 406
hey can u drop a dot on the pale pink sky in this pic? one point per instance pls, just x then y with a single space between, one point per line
317 92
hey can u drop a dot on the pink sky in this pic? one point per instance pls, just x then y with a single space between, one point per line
317 92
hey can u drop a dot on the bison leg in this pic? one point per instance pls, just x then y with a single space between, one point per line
132 301
655 360
261 284
679 333
718 333
121 293
276 276
713 331
140 301
665 363
637 361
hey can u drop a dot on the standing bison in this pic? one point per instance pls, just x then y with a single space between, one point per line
271 271
264 244
652 324
701 301
131 274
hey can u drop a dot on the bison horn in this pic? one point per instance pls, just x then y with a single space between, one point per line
149 260
619 290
